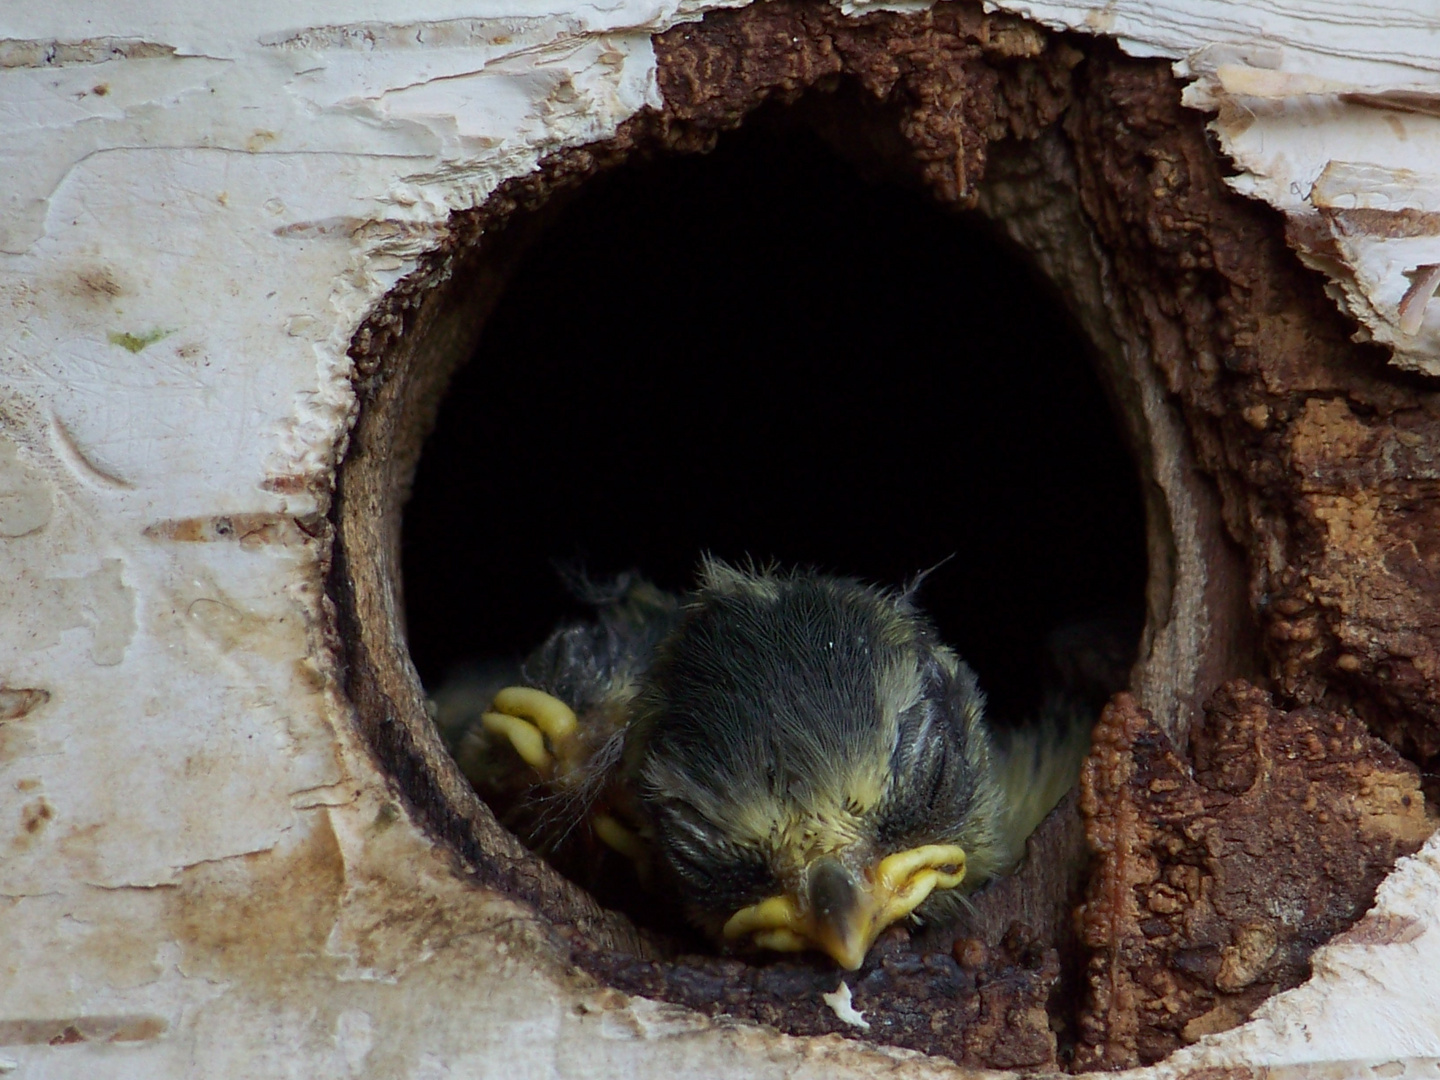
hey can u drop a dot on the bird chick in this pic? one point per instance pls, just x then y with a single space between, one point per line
797 758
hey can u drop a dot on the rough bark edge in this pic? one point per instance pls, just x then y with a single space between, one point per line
1214 888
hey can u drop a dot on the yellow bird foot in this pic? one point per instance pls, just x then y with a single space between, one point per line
624 841
538 725
543 730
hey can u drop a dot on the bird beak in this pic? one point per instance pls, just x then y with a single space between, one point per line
846 914
842 913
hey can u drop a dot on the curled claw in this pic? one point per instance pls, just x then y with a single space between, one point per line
619 839
529 718
911 876
548 713
524 736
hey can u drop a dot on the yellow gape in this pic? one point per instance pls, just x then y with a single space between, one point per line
841 914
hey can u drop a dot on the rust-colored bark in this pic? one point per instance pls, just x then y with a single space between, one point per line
1214 887
1327 459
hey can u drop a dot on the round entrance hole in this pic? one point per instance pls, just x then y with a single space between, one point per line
1217 350
757 354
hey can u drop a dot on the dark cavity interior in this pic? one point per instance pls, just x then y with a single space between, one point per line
756 353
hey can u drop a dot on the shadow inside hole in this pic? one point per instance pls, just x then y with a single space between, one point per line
757 354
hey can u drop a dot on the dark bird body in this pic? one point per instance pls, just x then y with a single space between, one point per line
797 759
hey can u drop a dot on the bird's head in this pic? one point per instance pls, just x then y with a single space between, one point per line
813 763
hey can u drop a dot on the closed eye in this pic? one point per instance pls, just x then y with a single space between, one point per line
918 785
721 875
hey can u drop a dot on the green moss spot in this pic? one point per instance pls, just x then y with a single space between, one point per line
388 814
135 342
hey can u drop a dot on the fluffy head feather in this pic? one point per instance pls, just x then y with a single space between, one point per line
791 716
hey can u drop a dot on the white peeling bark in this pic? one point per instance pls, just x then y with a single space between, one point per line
1331 113
201 872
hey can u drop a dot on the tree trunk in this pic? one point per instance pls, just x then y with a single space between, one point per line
243 256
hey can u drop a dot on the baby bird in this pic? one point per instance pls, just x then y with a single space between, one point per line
796 758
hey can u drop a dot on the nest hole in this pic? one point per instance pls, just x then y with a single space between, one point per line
758 354
768 351
762 354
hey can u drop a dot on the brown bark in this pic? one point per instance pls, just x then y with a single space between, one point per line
1326 459
1214 887
981 1005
